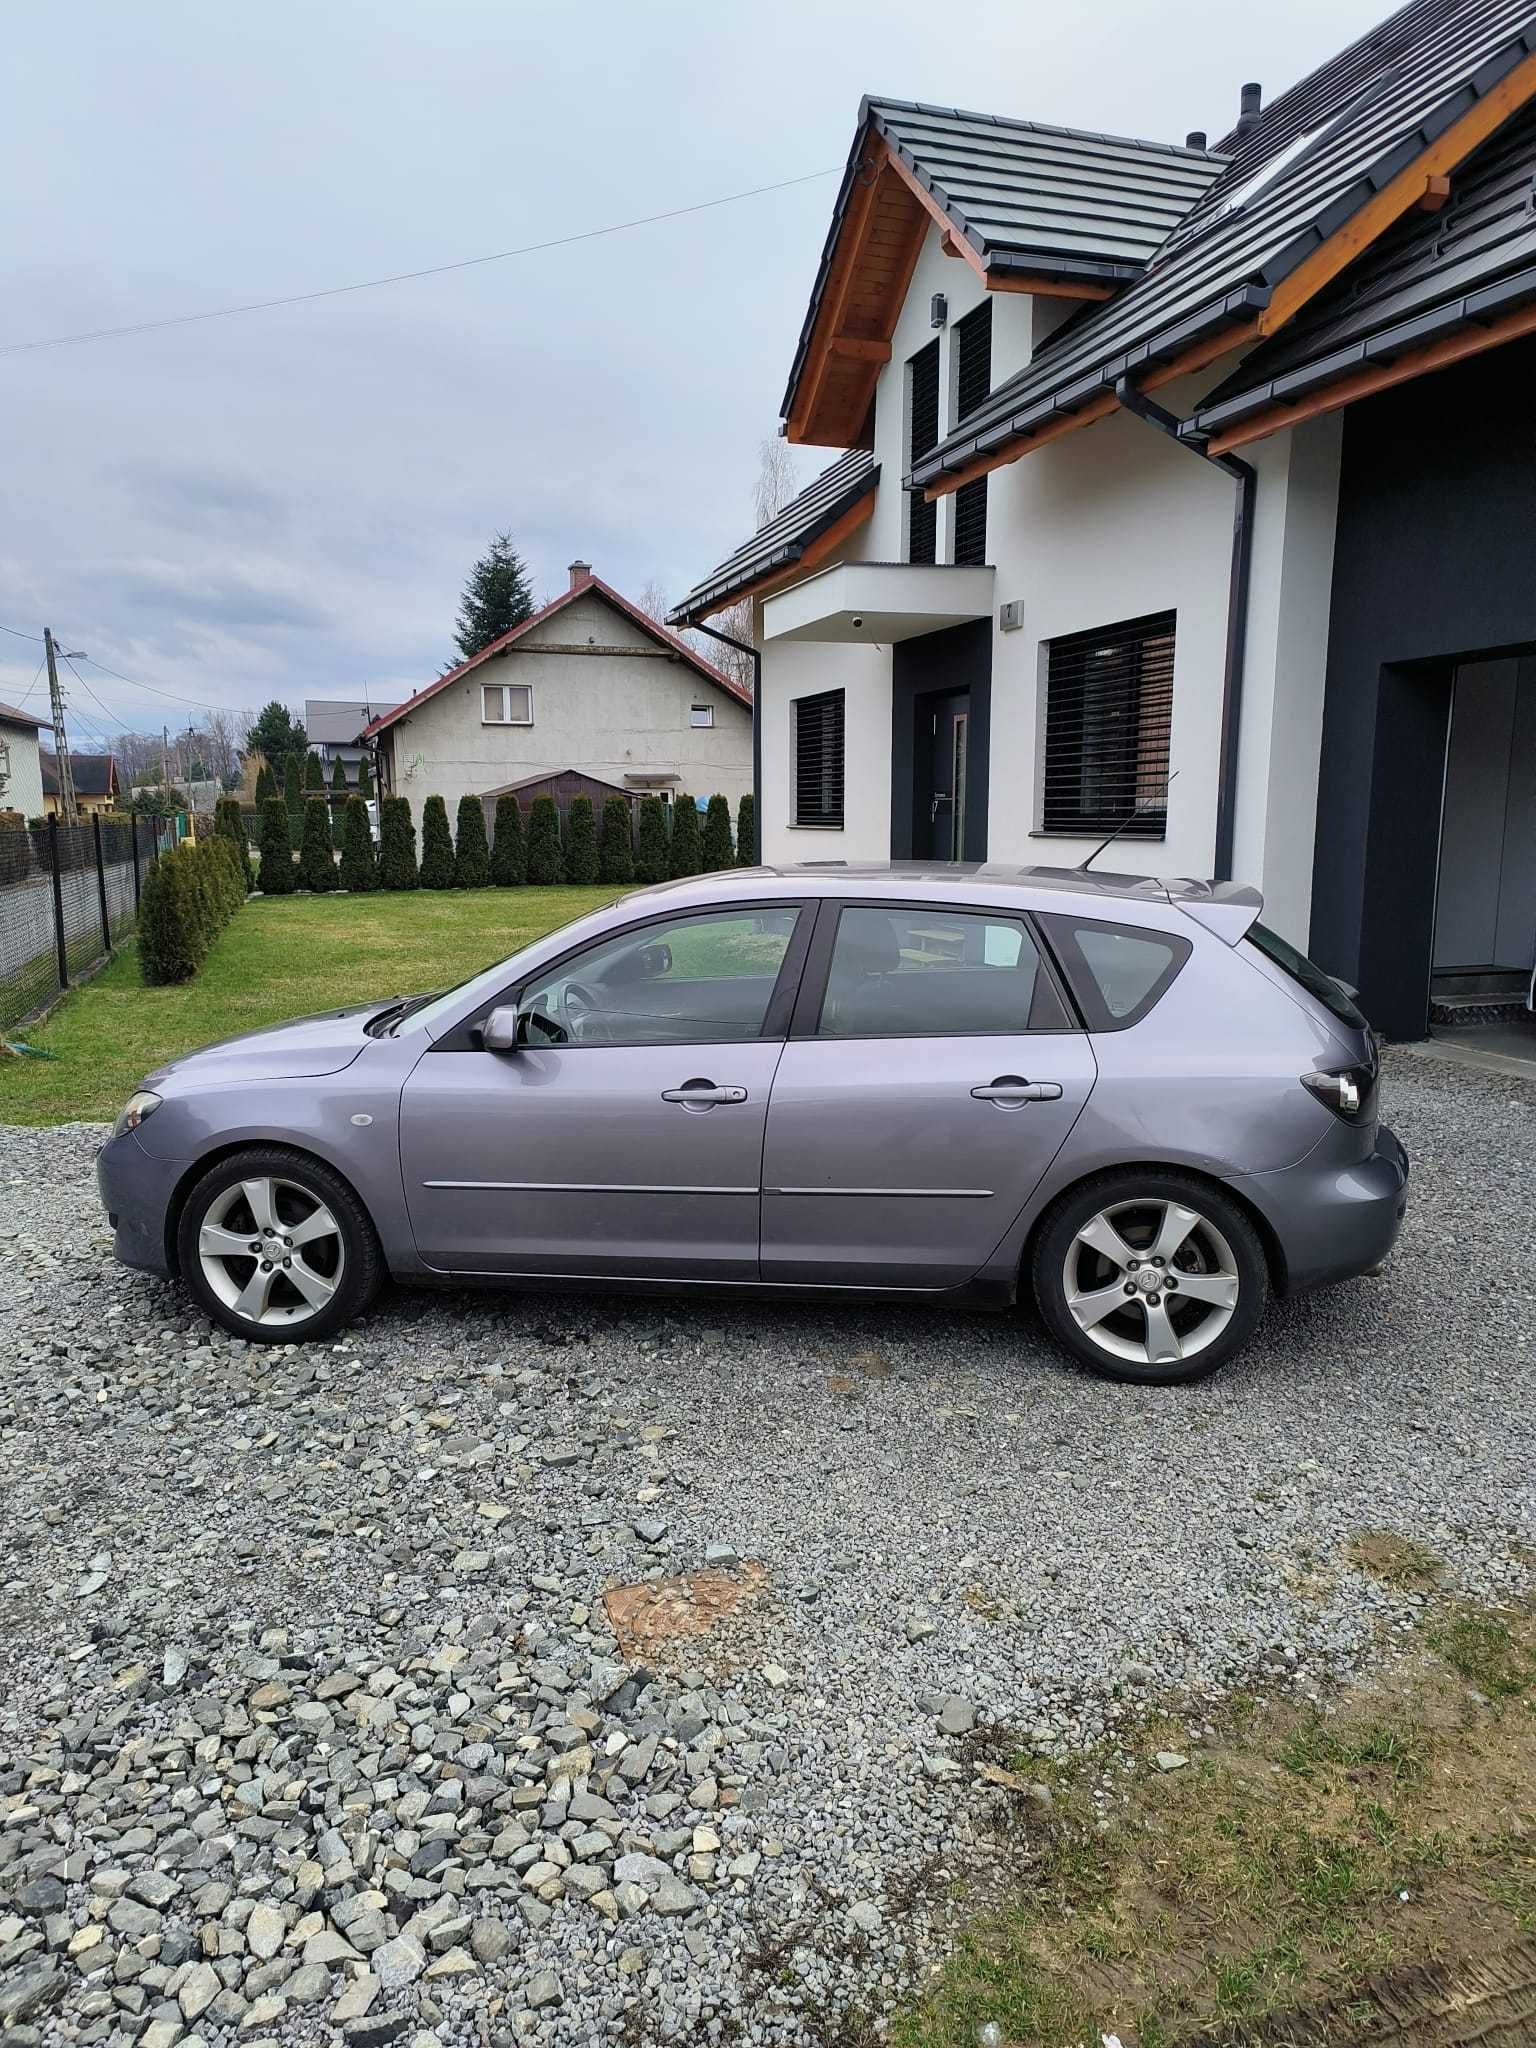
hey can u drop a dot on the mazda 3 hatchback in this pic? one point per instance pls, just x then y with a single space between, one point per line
1123 1097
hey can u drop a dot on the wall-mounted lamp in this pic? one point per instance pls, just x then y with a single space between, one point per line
938 310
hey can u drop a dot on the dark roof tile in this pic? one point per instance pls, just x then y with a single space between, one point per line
785 538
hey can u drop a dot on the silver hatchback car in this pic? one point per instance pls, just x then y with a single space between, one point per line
962 1084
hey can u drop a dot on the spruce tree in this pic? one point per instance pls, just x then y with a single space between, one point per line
718 852
581 860
359 870
276 874
509 853
617 855
317 858
228 824
546 863
746 832
471 855
314 775
685 851
496 598
274 735
293 790
364 780
338 805
652 856
397 844
436 845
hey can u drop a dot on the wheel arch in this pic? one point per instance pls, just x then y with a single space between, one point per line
1264 1230
208 1160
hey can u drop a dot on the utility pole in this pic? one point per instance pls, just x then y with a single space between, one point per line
165 757
67 805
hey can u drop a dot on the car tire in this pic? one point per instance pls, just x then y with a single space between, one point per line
1153 1278
326 1265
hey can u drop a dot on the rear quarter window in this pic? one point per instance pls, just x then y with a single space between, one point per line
1322 987
1117 972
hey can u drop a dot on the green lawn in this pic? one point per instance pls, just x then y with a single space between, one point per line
280 957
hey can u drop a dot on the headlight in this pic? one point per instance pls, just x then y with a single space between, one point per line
138 1106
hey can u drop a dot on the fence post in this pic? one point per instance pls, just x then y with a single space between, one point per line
133 840
58 902
101 885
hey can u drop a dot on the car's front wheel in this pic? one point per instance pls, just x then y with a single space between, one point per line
277 1248
1150 1277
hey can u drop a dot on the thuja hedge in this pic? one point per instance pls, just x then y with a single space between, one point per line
189 896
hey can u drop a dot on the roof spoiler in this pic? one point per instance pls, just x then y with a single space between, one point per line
1225 908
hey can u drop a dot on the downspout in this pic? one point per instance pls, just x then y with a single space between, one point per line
1137 402
742 647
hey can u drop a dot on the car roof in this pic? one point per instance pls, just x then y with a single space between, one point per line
1226 907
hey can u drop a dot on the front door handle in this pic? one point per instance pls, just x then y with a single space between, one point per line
702 1095
1013 1091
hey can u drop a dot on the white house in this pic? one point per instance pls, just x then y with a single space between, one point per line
591 686
21 774
332 725
1166 507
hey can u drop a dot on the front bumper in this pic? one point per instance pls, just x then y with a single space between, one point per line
136 1191
1332 1220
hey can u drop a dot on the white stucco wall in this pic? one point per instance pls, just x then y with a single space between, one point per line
24 791
610 715
801 669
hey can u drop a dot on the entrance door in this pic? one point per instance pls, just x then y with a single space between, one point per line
946 748
1485 907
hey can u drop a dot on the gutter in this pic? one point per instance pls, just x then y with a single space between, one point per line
744 647
1136 401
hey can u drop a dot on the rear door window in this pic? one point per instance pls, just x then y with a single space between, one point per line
928 972
1117 972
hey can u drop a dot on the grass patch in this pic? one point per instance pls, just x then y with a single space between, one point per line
1270 1890
281 957
1395 1560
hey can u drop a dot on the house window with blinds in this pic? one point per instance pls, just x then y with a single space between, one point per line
922 434
819 759
1108 716
973 383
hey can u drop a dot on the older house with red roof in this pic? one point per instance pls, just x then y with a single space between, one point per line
589 687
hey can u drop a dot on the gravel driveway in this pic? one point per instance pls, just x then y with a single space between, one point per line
313 1725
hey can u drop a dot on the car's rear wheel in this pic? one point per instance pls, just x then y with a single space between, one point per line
277 1248
1155 1278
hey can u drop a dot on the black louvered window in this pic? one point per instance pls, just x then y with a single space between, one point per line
819 759
923 513
973 383
1108 715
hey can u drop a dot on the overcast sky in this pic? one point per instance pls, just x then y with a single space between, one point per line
285 504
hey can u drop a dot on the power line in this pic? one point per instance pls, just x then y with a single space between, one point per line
195 703
22 636
110 715
36 674
370 284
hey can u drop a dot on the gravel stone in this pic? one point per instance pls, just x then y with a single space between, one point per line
308 1667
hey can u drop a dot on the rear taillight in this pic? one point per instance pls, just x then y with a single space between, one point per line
1350 1092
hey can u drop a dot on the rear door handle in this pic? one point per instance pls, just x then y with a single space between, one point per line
702 1095
1013 1091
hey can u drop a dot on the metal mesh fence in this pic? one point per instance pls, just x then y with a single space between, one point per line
68 895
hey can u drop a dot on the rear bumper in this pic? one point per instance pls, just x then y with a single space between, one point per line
136 1190
1332 1221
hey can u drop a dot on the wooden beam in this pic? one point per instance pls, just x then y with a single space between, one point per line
834 300
933 209
1400 194
1436 355
951 246
853 350
1048 287
811 556
1435 194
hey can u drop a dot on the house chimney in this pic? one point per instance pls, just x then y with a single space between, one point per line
1248 104
580 571
1195 139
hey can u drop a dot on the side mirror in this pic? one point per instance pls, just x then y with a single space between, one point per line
655 959
499 1031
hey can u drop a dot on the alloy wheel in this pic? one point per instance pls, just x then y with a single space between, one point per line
271 1251
1154 1282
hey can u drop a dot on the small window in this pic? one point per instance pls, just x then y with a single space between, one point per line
1323 987
506 704
930 973
819 759
697 981
1108 720
701 714
973 385
922 434
1118 972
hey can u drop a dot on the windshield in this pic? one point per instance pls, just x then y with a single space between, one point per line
486 983
1329 993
